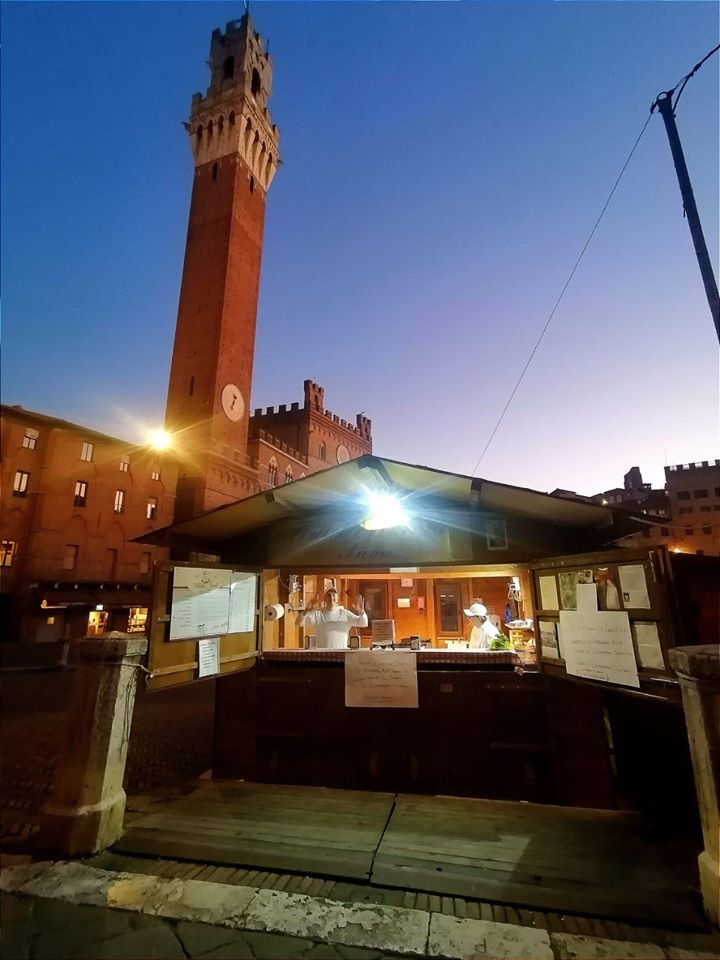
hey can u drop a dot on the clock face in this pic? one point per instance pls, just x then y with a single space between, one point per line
232 402
342 453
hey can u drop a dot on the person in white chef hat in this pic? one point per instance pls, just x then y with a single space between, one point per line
483 629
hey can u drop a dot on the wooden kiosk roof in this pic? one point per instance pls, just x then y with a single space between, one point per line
424 491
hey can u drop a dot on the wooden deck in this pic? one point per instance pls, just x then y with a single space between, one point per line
592 862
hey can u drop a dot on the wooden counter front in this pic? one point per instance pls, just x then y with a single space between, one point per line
480 729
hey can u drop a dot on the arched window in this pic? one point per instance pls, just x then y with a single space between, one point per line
231 118
214 171
221 124
272 472
229 68
289 475
323 452
210 130
252 184
255 83
198 134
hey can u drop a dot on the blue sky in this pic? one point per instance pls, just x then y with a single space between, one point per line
443 166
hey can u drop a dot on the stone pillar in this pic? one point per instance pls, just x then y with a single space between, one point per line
85 812
698 669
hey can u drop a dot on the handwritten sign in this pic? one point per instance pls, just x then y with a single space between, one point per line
383 631
208 657
598 644
548 593
381 678
633 586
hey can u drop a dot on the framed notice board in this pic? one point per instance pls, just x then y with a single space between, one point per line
203 622
608 618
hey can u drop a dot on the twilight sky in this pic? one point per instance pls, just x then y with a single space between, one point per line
443 166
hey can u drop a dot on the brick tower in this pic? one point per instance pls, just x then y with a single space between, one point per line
235 149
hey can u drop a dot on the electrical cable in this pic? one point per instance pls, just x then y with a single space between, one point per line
557 302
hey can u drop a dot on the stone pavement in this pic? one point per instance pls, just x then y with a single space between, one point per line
70 909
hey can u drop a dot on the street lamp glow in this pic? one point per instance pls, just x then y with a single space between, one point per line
159 439
385 511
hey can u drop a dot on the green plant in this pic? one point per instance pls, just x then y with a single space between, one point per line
501 643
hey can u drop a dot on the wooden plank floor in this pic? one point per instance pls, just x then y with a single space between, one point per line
562 859
553 858
303 829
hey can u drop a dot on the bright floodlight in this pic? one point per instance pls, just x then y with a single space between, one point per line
385 511
159 439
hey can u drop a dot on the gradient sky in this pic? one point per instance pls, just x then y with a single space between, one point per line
443 166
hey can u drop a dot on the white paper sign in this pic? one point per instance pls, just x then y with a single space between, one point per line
597 644
548 639
633 587
381 678
548 593
200 602
208 656
243 601
648 645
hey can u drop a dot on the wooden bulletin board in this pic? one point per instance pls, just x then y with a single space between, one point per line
173 662
635 582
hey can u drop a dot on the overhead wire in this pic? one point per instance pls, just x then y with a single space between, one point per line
682 83
562 294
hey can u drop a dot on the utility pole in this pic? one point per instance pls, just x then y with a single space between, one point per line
665 106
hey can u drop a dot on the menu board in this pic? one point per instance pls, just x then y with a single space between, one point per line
207 601
243 602
598 644
381 678
200 602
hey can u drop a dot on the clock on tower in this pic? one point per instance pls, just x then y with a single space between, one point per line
235 149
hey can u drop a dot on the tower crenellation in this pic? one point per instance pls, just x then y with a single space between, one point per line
232 118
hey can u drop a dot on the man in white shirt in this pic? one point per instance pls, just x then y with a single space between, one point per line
332 622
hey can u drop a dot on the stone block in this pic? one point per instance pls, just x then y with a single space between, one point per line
392 929
198 900
472 939
572 946
201 938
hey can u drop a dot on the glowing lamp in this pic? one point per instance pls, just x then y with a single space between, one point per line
159 439
385 511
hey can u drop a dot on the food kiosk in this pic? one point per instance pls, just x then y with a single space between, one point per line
559 712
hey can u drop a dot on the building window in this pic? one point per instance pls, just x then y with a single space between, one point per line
707 530
70 556
20 483
683 495
30 438
272 472
707 509
664 531
700 494
155 475
7 553
716 491
119 501
323 452
228 68
688 531
289 475
81 489
685 510
151 511
124 464
112 556
87 451
145 563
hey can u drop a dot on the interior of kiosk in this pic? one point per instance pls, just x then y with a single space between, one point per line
426 606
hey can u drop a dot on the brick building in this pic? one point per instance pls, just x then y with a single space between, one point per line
686 510
72 500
